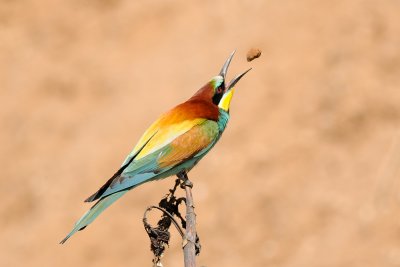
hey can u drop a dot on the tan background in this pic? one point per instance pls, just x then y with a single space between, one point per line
307 173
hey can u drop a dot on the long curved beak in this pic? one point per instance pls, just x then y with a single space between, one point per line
236 79
228 90
224 69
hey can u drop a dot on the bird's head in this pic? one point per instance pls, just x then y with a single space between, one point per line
223 92
218 89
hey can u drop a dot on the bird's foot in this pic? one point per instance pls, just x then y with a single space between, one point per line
185 180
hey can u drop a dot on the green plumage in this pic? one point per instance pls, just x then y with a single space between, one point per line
173 144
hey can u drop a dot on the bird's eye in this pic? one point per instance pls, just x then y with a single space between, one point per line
219 90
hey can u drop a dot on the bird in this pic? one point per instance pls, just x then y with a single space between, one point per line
172 145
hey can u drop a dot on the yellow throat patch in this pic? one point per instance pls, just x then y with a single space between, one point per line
226 100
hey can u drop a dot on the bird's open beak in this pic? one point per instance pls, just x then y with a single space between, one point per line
228 90
224 70
225 67
235 80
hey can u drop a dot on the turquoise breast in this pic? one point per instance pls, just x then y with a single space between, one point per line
223 119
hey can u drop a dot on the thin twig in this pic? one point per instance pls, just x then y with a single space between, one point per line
169 215
189 243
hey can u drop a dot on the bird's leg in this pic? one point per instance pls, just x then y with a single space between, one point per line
185 180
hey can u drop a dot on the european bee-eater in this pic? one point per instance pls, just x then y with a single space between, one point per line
172 145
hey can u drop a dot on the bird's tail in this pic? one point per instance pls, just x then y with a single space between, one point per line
92 214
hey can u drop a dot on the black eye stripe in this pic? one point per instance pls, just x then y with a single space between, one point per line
216 98
219 92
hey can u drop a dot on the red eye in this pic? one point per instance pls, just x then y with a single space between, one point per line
219 90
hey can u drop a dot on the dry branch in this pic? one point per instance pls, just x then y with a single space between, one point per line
160 235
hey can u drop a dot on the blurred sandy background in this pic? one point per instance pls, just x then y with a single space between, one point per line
307 173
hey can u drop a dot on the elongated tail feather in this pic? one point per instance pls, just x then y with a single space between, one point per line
92 214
